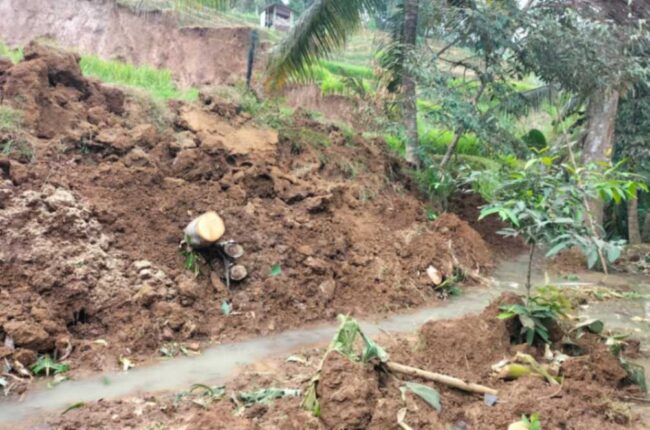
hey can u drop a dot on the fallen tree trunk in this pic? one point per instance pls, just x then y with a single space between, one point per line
440 378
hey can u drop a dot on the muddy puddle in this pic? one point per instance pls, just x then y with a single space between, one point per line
220 363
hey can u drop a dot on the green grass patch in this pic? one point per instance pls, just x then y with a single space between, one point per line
345 69
14 55
436 141
159 83
10 119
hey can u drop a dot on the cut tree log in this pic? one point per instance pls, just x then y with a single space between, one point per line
233 250
205 230
440 378
238 272
435 276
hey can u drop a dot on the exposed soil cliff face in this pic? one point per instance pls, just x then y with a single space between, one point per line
196 56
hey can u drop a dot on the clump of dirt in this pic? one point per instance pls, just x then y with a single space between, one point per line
364 396
348 393
91 225
467 206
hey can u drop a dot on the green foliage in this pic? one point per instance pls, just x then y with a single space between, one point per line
14 55
191 257
345 343
555 296
437 185
266 395
345 69
17 148
276 270
226 308
10 119
45 364
159 83
426 393
535 318
545 202
324 27
73 407
532 423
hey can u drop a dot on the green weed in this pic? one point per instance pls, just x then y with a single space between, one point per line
14 55
19 149
10 119
45 364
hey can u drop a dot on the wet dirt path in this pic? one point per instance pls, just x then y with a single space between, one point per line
218 364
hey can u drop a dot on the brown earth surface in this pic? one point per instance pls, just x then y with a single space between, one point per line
99 184
196 55
365 396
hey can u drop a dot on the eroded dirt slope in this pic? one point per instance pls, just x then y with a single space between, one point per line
98 186
196 56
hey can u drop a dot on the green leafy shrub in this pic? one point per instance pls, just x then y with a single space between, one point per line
545 202
45 364
535 317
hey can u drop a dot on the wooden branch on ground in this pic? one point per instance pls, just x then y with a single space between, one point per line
440 378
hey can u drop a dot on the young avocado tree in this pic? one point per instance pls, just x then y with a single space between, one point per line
546 203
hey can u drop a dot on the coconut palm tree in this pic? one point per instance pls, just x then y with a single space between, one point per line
325 27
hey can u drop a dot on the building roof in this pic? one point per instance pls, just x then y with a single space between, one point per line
280 5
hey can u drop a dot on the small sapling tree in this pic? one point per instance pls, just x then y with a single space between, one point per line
546 203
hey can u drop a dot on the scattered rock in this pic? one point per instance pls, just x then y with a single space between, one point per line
328 288
145 135
217 283
29 335
188 289
60 199
141 264
146 295
184 140
137 157
26 357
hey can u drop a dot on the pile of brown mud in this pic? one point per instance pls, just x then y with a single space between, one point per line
363 396
98 185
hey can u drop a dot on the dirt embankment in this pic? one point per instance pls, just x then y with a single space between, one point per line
99 184
196 56
364 396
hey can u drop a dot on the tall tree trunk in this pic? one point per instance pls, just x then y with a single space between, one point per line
633 228
646 228
601 115
410 110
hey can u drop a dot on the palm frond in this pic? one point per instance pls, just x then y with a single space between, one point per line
391 55
324 27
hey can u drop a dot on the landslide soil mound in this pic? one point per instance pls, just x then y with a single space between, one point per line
98 186
195 55
363 396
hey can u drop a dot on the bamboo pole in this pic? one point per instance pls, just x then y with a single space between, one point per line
440 378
